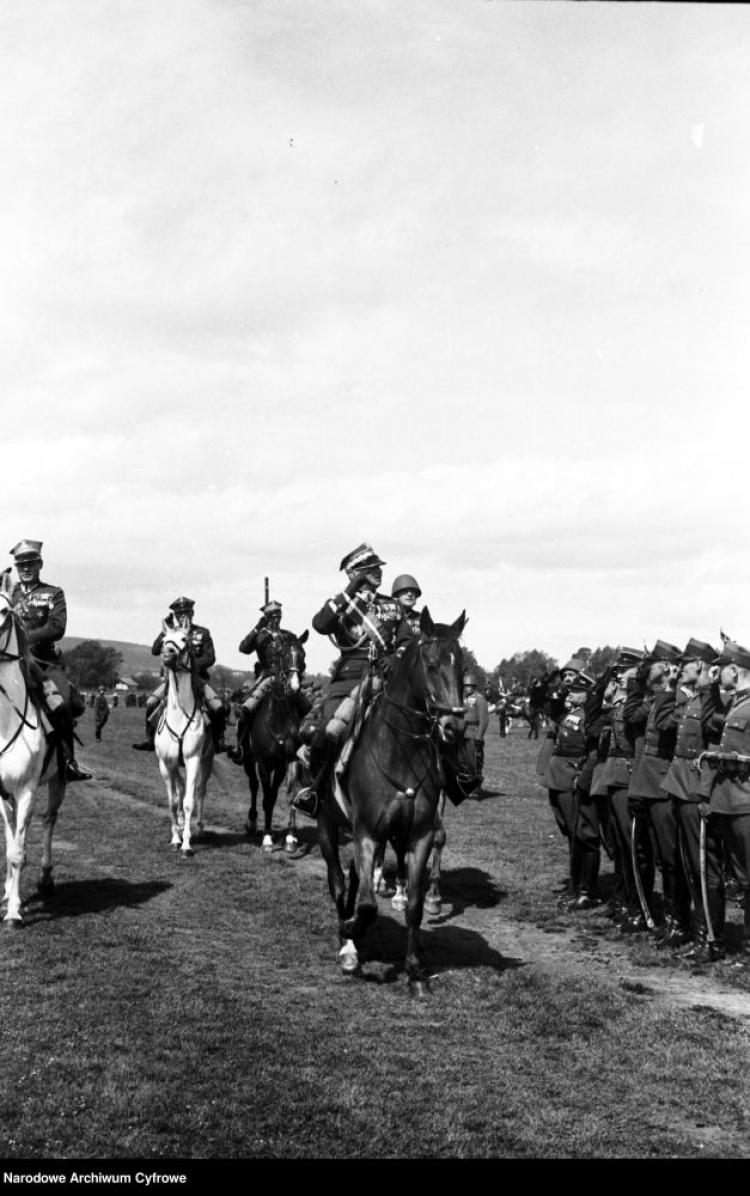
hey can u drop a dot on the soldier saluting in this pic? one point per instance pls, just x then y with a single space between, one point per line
204 655
43 613
362 623
267 639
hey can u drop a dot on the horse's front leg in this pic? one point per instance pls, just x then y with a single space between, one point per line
252 781
366 910
291 842
192 783
8 810
56 793
16 849
269 784
328 841
418 855
433 901
173 785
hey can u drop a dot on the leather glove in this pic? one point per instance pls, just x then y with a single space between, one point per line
356 583
636 807
704 809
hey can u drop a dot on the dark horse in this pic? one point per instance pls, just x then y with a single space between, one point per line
393 784
274 738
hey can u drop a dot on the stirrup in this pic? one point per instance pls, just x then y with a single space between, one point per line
306 801
146 746
236 754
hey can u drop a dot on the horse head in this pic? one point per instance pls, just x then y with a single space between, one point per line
437 679
176 651
291 663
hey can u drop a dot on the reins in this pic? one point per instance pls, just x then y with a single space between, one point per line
178 667
6 657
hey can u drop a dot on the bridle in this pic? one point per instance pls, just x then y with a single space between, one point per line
10 623
434 709
179 661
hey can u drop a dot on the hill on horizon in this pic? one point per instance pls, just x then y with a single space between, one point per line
136 658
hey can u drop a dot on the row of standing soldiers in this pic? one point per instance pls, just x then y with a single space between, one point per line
651 763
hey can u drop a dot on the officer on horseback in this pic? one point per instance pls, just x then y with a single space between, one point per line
43 613
204 655
267 639
362 623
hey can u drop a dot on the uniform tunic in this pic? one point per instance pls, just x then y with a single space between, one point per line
44 616
344 618
202 644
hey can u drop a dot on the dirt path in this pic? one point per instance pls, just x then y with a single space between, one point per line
570 951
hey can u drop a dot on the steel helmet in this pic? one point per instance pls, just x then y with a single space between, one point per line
470 679
405 582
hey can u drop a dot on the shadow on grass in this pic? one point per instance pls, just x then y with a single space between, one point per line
211 839
74 898
467 888
445 949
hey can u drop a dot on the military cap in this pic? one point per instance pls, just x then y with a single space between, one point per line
584 680
576 664
182 603
699 650
662 651
628 658
27 550
271 608
363 557
405 581
734 653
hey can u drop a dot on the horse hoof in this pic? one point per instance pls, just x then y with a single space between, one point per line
187 851
349 960
290 843
45 884
431 906
399 901
267 843
13 923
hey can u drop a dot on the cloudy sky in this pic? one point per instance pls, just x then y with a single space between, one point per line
466 280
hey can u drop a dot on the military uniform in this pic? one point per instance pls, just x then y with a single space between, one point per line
649 800
730 785
268 641
204 656
362 624
683 786
101 712
476 722
42 612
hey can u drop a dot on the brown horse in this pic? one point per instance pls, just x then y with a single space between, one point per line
274 738
393 784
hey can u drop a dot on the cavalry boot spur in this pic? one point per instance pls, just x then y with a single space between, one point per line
307 802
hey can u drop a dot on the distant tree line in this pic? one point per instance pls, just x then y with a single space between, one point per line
90 664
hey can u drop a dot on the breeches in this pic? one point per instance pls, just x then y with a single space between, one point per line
735 833
689 822
587 830
563 803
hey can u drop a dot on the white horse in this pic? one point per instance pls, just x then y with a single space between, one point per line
26 761
183 740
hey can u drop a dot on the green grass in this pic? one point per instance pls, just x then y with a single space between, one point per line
163 1008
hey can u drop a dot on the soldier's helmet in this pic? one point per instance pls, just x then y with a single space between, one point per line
470 679
405 581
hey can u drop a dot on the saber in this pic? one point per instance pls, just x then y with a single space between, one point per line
266 591
710 937
637 875
689 874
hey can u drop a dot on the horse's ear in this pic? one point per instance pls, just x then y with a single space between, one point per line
6 585
303 638
460 623
425 622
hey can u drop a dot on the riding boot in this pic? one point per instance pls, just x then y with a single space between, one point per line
68 767
322 759
717 912
218 719
147 745
589 876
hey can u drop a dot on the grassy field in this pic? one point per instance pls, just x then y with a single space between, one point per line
167 1009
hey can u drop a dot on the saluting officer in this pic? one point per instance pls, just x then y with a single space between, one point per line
43 613
267 639
647 800
204 656
362 623
563 768
730 788
699 678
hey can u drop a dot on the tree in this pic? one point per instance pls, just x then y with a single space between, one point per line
602 658
517 671
146 680
90 665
